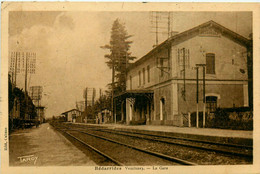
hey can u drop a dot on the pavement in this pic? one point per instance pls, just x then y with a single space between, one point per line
44 146
185 130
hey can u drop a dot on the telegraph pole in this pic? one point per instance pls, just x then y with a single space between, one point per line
161 23
156 23
204 98
169 24
15 69
112 90
86 104
93 96
100 93
184 88
25 88
197 98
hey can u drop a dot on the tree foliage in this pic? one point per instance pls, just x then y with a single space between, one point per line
119 55
14 92
102 103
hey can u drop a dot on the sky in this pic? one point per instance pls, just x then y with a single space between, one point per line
67 46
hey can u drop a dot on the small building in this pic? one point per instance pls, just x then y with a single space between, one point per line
72 115
161 86
40 113
103 116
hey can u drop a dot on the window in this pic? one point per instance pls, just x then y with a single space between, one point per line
161 65
162 109
210 63
143 75
130 82
139 73
211 103
148 73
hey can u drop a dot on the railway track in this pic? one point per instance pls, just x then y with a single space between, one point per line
114 161
126 154
229 149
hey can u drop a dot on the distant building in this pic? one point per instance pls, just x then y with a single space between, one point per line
103 116
161 86
40 113
72 115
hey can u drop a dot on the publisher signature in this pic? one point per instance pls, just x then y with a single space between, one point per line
28 158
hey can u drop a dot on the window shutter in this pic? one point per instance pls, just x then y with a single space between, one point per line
210 63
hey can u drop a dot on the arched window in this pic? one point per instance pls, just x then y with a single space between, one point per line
211 103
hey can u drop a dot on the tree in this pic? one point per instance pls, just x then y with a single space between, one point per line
118 58
119 55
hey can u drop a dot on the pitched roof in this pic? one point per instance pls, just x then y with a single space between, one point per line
188 34
134 92
70 111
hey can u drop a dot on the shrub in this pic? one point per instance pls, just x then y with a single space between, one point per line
138 122
232 118
221 118
194 118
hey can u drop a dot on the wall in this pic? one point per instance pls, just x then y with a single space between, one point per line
230 75
166 93
226 98
224 49
155 72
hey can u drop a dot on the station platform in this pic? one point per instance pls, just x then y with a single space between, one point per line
43 146
220 135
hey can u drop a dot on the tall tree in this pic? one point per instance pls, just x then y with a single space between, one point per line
119 55
118 58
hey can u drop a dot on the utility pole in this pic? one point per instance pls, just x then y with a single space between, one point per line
184 88
169 24
156 23
161 22
93 96
204 98
25 88
100 93
197 97
39 97
112 90
115 113
86 104
15 69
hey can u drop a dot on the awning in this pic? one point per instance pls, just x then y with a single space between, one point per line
134 94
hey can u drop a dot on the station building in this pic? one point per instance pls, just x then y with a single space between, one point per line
73 115
161 86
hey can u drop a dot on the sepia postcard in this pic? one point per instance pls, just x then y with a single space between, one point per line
128 87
